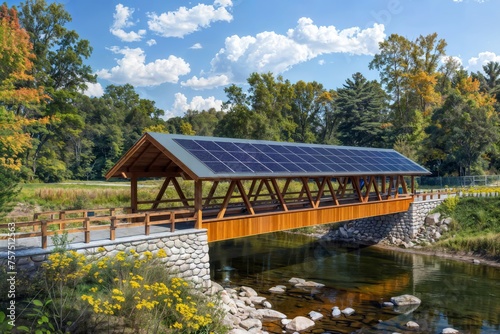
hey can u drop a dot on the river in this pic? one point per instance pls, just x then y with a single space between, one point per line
454 294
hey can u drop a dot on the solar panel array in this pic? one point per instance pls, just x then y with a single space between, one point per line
223 157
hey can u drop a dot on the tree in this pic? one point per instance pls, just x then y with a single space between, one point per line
408 69
362 108
271 97
15 64
307 101
59 71
463 128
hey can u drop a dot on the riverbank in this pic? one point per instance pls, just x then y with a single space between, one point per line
476 259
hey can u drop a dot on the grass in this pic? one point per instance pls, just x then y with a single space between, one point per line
476 227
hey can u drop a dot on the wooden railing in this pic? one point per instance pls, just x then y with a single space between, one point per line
434 195
57 223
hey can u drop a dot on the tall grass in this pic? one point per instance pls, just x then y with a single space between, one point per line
476 226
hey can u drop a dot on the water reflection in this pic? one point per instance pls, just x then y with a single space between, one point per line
454 294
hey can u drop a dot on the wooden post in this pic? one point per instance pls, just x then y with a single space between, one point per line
35 218
62 215
172 221
198 203
44 233
413 184
133 192
112 229
146 224
87 230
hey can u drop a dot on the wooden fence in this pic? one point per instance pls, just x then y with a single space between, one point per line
46 224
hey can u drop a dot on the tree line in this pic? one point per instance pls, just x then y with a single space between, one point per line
425 105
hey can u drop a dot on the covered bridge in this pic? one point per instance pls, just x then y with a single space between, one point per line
244 187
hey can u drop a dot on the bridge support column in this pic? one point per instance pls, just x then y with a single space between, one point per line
133 192
198 203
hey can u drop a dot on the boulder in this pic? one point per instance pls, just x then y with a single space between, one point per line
250 324
432 219
249 291
348 311
343 233
315 316
267 313
267 304
257 300
300 324
276 289
336 311
449 331
412 324
238 331
404 300
309 284
295 280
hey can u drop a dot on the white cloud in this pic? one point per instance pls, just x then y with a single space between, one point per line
122 17
482 59
269 51
185 21
196 46
94 89
133 69
181 105
206 83
151 42
321 62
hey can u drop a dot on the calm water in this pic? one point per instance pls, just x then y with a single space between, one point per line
454 294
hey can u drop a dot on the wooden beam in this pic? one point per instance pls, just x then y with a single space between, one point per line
279 195
269 190
245 197
413 184
403 184
138 158
198 205
211 193
375 186
368 186
305 188
116 169
252 188
332 191
161 192
285 187
396 188
257 193
133 192
226 200
355 185
321 188
153 161
180 192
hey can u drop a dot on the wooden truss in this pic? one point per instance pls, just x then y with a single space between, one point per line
258 196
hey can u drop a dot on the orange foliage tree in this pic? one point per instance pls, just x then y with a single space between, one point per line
15 64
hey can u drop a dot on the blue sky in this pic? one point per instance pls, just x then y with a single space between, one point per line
182 54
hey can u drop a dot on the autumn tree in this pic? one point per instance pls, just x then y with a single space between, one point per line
463 128
15 65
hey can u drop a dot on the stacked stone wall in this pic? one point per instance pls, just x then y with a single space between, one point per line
398 229
187 253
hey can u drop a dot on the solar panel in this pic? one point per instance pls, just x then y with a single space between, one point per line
222 156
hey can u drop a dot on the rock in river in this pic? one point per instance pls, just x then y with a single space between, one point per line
405 300
300 324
